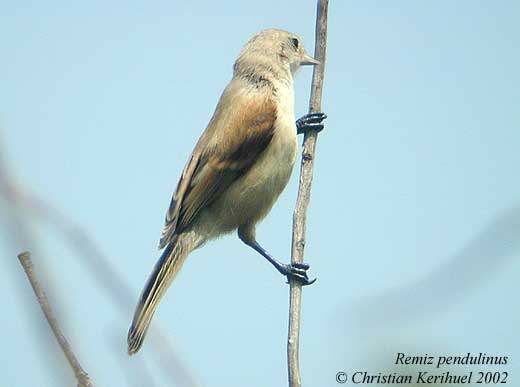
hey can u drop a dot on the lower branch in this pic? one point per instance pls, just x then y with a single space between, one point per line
81 376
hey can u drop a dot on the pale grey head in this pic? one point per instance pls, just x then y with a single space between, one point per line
272 53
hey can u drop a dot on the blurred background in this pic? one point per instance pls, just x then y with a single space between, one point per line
413 228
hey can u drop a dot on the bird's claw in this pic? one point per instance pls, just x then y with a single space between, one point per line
298 272
311 121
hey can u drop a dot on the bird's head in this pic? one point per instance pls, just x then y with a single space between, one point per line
278 51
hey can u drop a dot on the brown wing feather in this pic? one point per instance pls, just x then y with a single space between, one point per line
240 130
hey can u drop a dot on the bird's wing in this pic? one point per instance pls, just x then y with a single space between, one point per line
239 131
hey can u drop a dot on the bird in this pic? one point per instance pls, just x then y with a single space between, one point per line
238 168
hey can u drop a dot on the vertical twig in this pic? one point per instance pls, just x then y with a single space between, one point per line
304 193
81 376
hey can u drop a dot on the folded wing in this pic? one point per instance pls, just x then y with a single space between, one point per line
239 131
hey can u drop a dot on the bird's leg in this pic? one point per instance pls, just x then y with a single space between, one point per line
311 121
296 271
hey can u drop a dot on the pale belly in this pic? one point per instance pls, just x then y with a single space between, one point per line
250 198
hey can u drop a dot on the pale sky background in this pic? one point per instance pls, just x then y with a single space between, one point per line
414 225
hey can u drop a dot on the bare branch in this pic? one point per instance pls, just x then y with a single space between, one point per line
104 272
22 199
81 376
304 193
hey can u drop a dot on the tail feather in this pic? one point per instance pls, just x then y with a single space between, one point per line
165 269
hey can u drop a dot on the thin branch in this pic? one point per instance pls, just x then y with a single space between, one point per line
92 256
81 376
104 272
304 193
18 230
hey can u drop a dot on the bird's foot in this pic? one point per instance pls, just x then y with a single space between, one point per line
297 272
311 121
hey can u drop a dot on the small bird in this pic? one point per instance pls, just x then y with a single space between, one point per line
240 165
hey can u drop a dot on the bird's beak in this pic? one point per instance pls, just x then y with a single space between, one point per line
309 60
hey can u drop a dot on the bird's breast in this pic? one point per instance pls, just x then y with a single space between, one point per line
251 197
275 166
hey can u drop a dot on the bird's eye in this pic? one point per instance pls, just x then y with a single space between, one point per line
295 43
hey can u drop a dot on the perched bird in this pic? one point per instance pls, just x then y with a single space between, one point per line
238 168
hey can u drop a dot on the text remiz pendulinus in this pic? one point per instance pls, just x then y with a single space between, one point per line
469 358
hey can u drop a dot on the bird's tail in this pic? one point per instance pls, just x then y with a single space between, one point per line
163 273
